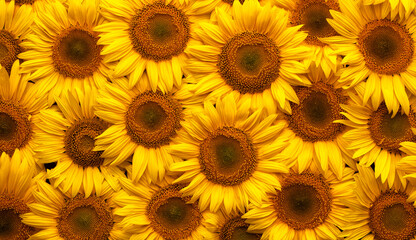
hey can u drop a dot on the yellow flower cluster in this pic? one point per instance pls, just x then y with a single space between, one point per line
207 119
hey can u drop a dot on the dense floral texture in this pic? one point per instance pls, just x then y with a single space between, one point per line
207 119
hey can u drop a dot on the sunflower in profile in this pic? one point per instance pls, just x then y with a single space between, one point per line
60 216
148 35
378 49
63 53
67 138
251 51
312 14
308 206
230 226
15 25
379 211
312 128
229 155
145 123
19 109
160 211
376 135
15 194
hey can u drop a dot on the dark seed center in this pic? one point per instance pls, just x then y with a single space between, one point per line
8 222
395 127
86 143
392 217
161 28
159 31
79 47
228 154
3 51
150 115
249 62
84 219
250 58
395 217
383 44
241 233
7 127
315 21
174 212
387 46
317 110
301 202
80 139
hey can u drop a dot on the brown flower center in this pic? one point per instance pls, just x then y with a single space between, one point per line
236 229
392 217
79 142
153 118
249 62
171 216
227 156
159 32
313 14
9 49
304 201
388 132
15 127
11 226
76 53
21 2
387 46
319 106
85 218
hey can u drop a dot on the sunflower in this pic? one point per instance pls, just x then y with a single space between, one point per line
159 211
308 206
19 110
145 123
67 138
376 135
230 226
229 156
379 211
148 35
63 217
63 53
378 49
251 51
15 194
312 14
312 129
15 25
